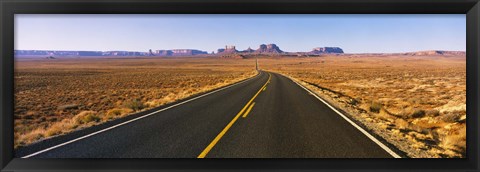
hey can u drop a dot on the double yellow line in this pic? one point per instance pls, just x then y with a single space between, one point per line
220 135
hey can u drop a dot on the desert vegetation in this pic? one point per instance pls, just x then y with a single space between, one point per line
415 102
57 96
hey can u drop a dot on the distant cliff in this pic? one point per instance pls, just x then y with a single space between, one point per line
270 48
326 50
273 49
179 52
227 50
77 53
175 52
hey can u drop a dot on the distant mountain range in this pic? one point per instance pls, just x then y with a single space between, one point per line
263 49
228 51
77 53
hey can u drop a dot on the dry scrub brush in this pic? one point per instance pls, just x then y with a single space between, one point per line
416 102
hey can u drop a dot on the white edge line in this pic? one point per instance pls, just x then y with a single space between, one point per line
135 119
383 146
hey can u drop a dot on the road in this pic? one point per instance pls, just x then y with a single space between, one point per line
267 116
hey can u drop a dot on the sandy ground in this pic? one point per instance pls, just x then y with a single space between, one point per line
418 103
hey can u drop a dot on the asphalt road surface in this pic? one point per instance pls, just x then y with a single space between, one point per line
267 116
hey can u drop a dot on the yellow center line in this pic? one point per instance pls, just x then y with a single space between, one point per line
220 135
264 88
249 109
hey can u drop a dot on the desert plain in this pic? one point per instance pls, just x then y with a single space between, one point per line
415 102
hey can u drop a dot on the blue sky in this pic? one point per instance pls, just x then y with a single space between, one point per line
353 33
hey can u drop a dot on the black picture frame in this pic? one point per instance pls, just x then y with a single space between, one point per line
8 8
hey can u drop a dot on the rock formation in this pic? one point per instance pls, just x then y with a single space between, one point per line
270 48
249 50
229 49
179 52
163 53
326 50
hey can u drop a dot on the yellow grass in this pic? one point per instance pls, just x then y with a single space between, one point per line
418 103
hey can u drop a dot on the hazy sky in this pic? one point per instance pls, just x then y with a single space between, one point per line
353 33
